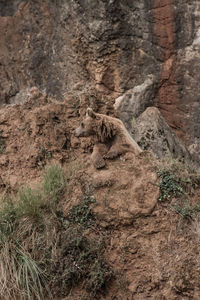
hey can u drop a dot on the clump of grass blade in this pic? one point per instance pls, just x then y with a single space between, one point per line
53 183
20 275
29 203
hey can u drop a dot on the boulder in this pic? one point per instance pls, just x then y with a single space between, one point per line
131 104
151 132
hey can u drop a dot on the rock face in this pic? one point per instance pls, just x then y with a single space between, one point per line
152 133
131 104
74 46
106 49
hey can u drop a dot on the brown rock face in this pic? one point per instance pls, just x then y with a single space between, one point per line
74 46
103 49
176 31
164 30
168 97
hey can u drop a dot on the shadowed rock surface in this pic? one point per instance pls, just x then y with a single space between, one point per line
151 132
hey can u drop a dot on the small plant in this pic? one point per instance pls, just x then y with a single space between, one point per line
100 274
2 149
44 154
186 209
27 129
133 121
29 203
80 259
170 185
82 213
53 183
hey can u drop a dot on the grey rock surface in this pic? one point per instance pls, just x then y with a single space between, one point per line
131 104
152 133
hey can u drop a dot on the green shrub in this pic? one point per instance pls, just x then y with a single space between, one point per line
169 184
99 275
80 260
2 144
82 212
186 209
44 154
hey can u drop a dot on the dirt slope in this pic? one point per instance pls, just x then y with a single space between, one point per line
155 252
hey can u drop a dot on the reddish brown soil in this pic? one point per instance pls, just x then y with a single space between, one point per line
154 254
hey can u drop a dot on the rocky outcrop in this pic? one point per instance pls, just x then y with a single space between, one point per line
94 52
75 47
151 132
176 26
131 104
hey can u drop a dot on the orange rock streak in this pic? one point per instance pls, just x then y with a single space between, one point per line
168 96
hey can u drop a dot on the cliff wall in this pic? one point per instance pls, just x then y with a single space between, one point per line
102 49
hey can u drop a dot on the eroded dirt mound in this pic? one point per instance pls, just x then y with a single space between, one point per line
123 191
31 135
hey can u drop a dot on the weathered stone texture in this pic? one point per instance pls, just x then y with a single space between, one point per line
103 49
152 133
131 104
71 45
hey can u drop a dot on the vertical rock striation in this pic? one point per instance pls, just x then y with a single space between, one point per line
104 49
167 98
